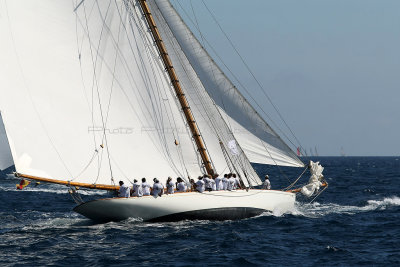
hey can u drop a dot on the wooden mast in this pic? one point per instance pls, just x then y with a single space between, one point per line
178 89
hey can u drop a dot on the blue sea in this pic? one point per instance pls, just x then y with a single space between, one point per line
356 221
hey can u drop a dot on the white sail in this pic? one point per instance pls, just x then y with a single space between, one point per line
259 141
214 129
84 94
6 159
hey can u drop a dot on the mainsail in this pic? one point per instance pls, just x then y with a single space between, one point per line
6 159
258 140
86 98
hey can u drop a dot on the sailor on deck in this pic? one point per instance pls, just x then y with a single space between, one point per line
213 184
124 190
207 182
225 182
170 186
267 183
218 183
237 182
145 187
231 182
137 189
180 185
200 185
157 188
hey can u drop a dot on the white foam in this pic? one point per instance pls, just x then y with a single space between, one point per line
53 190
316 209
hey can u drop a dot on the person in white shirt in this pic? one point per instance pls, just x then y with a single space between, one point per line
157 189
231 182
136 189
124 190
200 185
207 182
180 185
237 182
170 186
213 184
218 183
267 183
145 187
225 182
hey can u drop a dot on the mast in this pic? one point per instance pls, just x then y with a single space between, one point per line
177 87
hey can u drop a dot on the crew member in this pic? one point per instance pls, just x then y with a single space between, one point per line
237 182
137 189
124 190
170 186
157 188
207 182
267 183
225 182
145 187
200 185
231 182
218 182
180 185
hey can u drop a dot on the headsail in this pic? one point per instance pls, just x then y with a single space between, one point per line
6 159
85 97
257 138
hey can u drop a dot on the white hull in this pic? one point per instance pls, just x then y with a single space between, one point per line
215 205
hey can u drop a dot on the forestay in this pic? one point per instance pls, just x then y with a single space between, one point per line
257 138
84 94
5 152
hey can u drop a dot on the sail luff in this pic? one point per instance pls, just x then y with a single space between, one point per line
178 89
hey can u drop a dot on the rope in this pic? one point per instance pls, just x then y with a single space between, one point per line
292 184
319 193
252 74
239 82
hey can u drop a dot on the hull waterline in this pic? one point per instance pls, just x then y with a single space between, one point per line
216 205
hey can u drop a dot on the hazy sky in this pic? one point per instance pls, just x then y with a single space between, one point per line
332 67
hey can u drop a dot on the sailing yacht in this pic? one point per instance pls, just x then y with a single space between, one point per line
94 92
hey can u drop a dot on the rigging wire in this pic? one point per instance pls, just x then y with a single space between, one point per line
206 107
157 68
204 40
251 72
95 81
240 83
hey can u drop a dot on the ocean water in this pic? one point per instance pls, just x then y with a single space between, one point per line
356 221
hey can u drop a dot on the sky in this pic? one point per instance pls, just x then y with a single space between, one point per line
331 67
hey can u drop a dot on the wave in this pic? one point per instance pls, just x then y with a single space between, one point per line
316 209
53 190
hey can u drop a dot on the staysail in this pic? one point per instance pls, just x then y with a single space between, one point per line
85 96
6 159
256 137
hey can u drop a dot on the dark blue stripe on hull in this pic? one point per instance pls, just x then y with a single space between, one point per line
219 214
